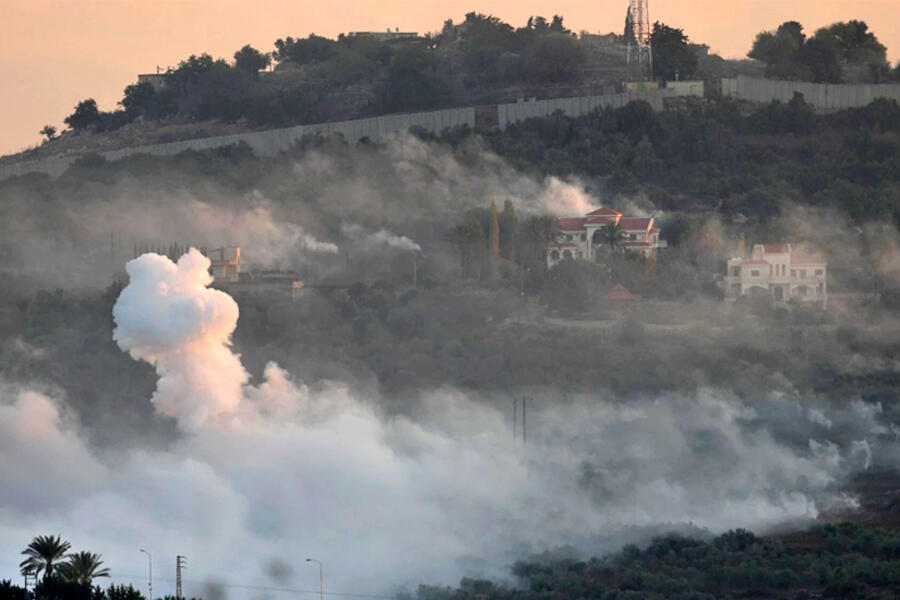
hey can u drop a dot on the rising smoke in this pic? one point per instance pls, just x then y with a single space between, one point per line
274 472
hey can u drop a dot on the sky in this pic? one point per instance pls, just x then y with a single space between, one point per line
55 53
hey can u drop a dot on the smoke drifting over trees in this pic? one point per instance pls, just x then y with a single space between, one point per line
368 423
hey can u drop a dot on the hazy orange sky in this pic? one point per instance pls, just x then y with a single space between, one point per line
56 53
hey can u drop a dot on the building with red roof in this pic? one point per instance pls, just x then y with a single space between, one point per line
583 237
782 271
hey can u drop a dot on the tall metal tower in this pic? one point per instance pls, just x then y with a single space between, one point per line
639 59
179 565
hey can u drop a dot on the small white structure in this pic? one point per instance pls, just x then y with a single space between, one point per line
782 272
226 264
583 237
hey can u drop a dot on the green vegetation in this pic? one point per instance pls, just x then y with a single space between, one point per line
63 576
718 156
845 51
834 561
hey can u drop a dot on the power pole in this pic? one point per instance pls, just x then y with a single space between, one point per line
150 574
179 565
515 422
29 575
639 57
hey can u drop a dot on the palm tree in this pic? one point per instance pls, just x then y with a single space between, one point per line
611 235
463 237
43 553
82 568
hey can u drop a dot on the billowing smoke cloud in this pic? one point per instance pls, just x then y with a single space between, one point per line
168 317
380 239
285 469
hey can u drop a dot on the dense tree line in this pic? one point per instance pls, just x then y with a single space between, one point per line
723 156
834 561
844 51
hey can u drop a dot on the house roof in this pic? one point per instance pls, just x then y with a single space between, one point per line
604 211
600 220
636 223
776 248
570 223
618 292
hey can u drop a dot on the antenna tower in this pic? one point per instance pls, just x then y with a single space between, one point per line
179 565
639 57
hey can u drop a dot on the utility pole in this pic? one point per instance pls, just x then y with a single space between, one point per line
524 429
321 578
179 565
150 572
515 422
33 576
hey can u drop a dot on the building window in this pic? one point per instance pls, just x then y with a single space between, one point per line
583 237
802 291
754 273
793 272
820 272
735 271
569 238
554 255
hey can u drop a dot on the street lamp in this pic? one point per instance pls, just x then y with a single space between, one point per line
150 566
321 578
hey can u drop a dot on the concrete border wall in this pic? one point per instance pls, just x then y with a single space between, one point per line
825 97
576 106
269 142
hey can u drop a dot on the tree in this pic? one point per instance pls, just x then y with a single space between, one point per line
536 233
49 131
413 83
780 50
495 232
83 568
43 554
464 237
508 224
85 115
610 235
251 61
137 97
673 57
313 49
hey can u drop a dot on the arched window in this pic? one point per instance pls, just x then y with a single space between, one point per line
554 255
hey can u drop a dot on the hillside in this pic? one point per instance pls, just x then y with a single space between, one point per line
481 60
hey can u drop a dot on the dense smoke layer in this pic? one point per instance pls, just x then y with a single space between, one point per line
271 473
404 196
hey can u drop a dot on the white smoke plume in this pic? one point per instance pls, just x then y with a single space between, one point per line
284 469
380 239
167 316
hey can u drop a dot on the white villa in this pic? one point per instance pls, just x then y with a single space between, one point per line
781 271
581 237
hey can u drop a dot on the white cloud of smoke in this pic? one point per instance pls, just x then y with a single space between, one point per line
281 470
